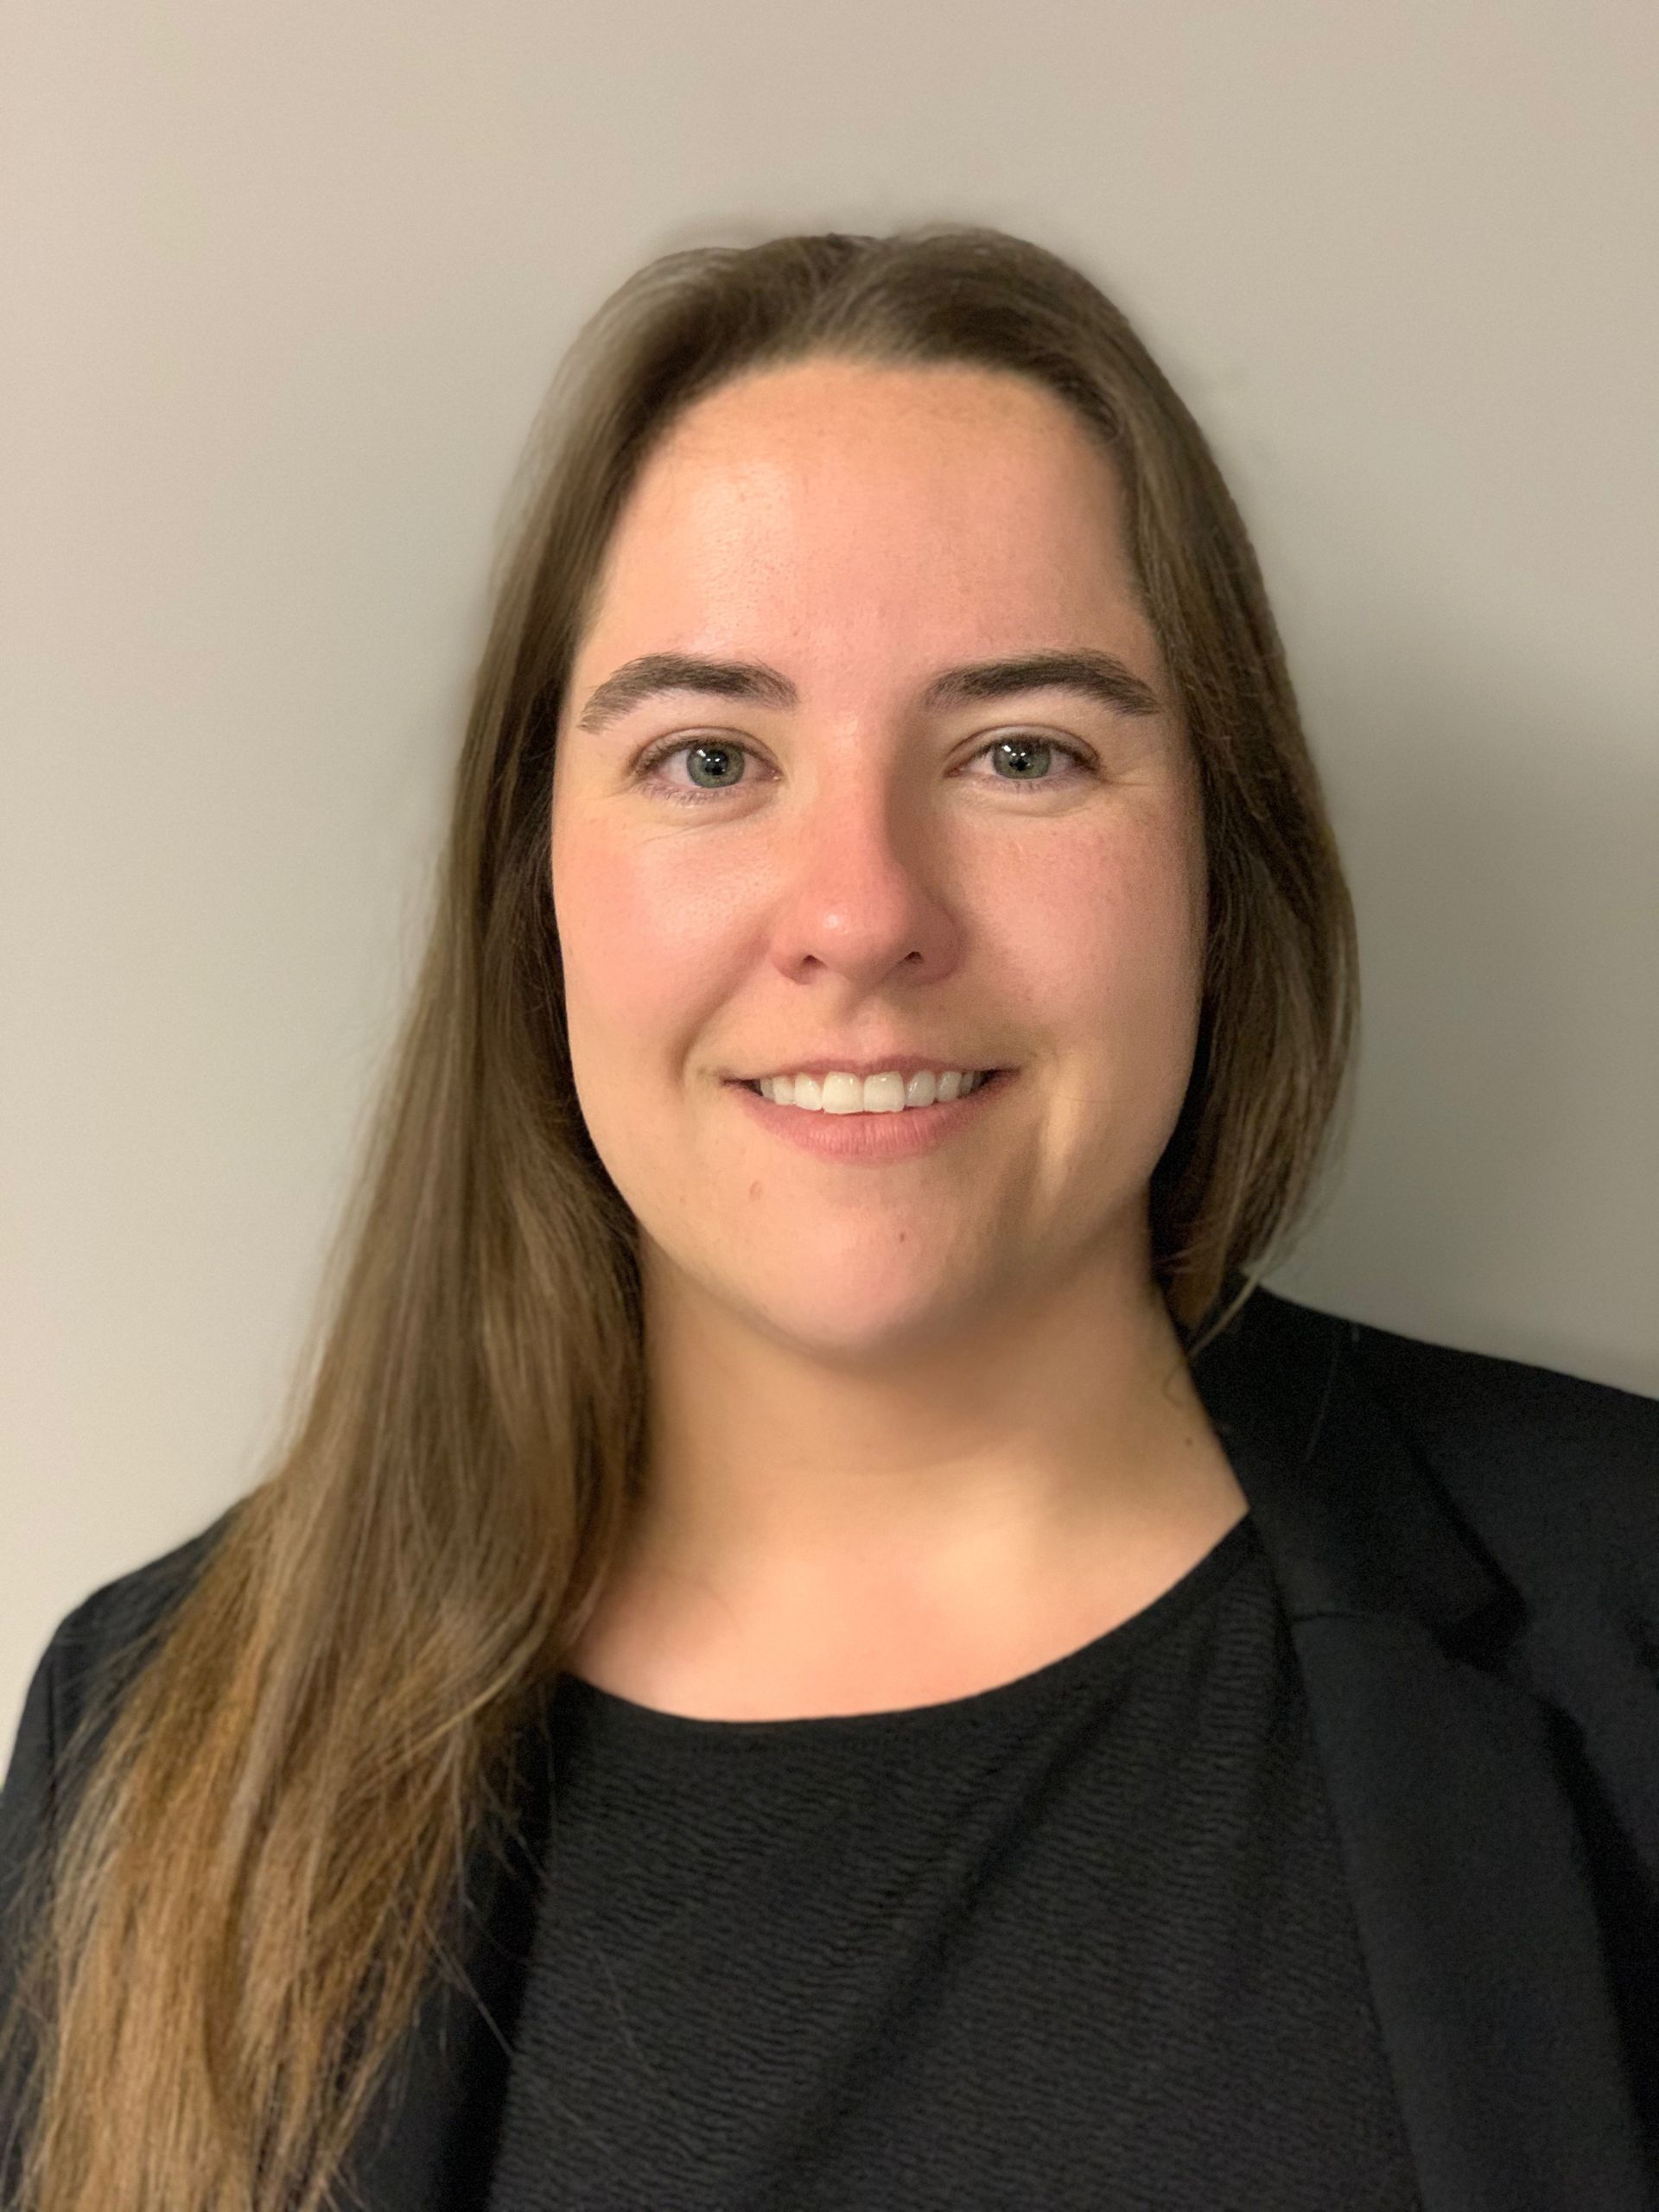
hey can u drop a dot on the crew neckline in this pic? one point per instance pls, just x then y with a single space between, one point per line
626 1718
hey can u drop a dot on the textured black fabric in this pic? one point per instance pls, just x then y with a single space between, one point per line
1080 1940
1450 1750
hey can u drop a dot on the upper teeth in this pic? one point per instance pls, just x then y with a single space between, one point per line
868 1094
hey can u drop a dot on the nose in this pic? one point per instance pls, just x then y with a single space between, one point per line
866 888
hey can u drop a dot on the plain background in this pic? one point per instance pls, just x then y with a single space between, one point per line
283 286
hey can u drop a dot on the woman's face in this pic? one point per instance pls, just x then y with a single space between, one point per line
858 874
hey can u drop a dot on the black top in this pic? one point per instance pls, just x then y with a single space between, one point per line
1466 1550
1082 1940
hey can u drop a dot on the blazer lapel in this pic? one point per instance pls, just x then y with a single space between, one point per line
1466 1866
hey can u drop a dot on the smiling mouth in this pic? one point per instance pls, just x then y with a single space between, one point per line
980 1080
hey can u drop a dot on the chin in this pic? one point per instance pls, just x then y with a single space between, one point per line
863 1322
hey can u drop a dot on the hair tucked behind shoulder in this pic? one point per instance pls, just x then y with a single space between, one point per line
256 1879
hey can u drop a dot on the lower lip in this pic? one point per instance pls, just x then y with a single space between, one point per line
868 1139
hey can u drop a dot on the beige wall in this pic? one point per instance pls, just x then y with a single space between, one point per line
284 284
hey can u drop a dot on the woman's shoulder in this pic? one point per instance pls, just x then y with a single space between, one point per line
1557 1475
1451 1386
120 1613
1508 1422
89 1646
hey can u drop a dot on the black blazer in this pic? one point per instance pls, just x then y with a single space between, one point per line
1467 1550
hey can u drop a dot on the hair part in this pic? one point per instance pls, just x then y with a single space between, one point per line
259 1876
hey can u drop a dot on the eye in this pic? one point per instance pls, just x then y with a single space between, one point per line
719 760
1030 756
718 757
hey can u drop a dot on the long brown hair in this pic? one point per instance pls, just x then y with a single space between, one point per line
254 1889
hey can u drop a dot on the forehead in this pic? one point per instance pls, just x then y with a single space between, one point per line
836 503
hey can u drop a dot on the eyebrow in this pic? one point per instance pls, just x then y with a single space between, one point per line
1085 671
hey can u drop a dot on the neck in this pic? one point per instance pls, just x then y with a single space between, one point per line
1034 1481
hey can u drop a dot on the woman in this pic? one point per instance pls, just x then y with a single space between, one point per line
817 1641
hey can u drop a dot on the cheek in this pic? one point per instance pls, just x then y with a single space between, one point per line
640 942
1111 947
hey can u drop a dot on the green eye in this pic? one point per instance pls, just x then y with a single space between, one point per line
705 750
1028 750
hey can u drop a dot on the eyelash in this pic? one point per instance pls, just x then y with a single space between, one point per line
654 756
